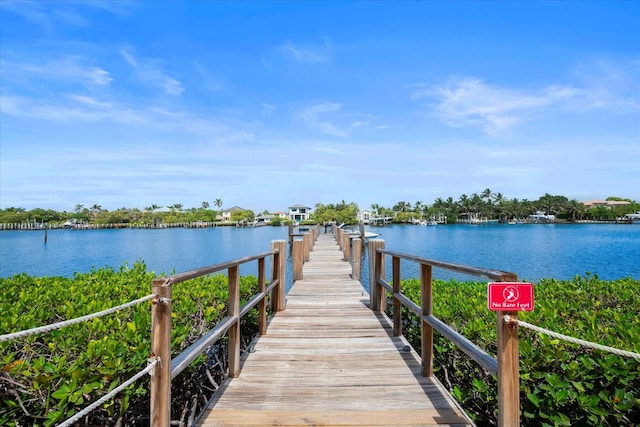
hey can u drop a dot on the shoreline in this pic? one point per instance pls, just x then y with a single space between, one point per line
201 224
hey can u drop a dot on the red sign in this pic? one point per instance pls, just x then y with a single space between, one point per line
510 296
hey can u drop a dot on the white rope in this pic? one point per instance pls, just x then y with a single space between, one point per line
583 343
150 365
60 325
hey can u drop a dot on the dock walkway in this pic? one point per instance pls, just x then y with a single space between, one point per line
329 360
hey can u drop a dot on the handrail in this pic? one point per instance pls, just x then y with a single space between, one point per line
497 275
504 366
161 322
481 357
192 274
188 355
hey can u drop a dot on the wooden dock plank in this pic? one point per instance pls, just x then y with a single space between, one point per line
329 360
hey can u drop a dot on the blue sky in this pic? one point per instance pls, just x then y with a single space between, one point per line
269 104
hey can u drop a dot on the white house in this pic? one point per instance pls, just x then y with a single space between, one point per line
364 217
226 214
299 213
264 219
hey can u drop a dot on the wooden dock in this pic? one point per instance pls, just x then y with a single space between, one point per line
329 360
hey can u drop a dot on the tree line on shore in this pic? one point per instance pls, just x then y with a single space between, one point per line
487 204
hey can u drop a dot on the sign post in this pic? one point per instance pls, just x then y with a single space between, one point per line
507 298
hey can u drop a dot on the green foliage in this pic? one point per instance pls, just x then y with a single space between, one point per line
342 212
560 383
53 375
243 215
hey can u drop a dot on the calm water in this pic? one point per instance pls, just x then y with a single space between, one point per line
531 251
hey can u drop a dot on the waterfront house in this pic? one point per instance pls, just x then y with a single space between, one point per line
264 219
364 217
299 213
606 203
226 214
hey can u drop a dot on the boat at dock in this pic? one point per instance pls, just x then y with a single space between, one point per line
633 218
541 217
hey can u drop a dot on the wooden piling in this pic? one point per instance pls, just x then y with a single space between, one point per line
161 347
298 259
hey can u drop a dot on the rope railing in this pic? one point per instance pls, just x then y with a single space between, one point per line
60 325
151 363
578 341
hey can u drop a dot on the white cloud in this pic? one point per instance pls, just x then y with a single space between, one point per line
49 15
63 68
471 102
148 70
72 108
596 84
267 108
609 84
307 53
314 117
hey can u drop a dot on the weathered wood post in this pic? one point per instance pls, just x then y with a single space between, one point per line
161 347
290 234
376 270
397 305
356 263
298 259
426 331
339 233
234 331
262 305
306 240
278 272
508 371
508 367
346 246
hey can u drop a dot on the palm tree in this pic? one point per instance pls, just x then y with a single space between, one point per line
575 210
402 207
486 194
78 208
465 203
205 205
218 203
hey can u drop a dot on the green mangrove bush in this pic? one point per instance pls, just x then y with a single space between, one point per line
561 383
46 378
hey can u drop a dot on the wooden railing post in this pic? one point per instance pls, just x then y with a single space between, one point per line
298 258
426 291
234 331
161 347
508 371
376 271
397 305
356 263
278 272
262 305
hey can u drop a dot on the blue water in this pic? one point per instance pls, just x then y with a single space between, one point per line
163 250
532 251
